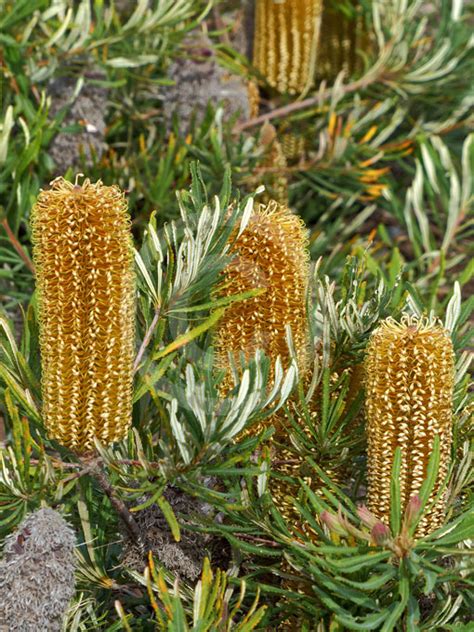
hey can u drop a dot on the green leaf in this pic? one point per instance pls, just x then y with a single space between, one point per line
430 581
20 394
222 302
357 562
374 583
148 381
359 598
413 615
252 548
431 474
397 609
184 339
395 503
326 383
371 622
462 531
395 267
168 513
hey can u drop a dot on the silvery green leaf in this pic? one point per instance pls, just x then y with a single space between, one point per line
429 167
262 479
453 310
144 272
62 28
135 62
288 384
456 10
277 380
178 432
5 131
248 210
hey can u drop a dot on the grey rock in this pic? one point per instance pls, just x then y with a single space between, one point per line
88 110
198 81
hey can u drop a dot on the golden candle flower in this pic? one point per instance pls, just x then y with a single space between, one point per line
271 254
86 295
297 41
409 389
285 42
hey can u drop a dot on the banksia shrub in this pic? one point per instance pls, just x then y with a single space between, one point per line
37 574
270 254
285 42
85 279
409 388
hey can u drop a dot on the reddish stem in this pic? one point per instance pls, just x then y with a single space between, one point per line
18 247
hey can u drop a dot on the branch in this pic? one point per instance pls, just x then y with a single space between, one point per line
96 471
297 106
146 340
74 466
17 246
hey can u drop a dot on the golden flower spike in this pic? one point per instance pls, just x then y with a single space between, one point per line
271 254
285 42
298 41
409 390
86 289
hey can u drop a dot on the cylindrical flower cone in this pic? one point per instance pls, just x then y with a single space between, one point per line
285 42
271 254
86 289
299 41
409 390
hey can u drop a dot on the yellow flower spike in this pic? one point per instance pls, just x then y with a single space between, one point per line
293 146
296 41
254 99
86 289
271 253
409 389
340 38
285 42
